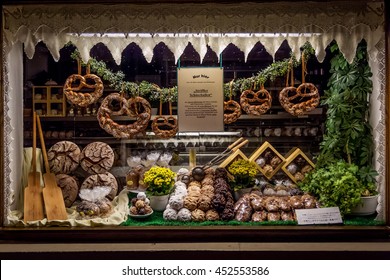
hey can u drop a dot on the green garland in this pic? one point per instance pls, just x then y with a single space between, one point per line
153 92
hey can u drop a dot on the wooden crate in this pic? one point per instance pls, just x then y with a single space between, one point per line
261 153
292 157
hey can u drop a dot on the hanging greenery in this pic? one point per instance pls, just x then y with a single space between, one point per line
154 93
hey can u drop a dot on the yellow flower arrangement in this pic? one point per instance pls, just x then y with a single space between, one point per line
244 172
159 180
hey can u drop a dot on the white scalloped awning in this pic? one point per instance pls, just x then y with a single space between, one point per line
201 25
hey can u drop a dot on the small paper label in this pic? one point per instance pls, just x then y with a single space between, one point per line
329 215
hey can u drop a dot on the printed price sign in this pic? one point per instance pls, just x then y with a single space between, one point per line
329 215
200 99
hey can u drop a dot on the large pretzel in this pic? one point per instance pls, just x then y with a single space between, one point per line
297 101
165 127
256 103
120 130
77 82
233 111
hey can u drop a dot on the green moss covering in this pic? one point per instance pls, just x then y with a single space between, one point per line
156 219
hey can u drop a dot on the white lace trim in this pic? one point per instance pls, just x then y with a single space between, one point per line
339 20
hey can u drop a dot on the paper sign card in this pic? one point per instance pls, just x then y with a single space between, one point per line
200 99
329 215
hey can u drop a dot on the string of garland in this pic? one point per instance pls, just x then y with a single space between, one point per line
153 92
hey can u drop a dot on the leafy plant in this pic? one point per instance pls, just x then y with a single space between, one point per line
348 133
339 184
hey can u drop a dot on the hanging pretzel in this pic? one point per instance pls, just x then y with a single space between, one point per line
165 127
106 110
75 83
301 100
256 103
232 108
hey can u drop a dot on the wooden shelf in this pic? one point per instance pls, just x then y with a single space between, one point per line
49 101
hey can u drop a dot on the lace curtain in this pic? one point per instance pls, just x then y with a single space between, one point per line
347 22
202 25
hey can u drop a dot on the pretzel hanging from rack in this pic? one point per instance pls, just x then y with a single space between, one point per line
301 100
165 127
231 108
115 104
256 103
83 90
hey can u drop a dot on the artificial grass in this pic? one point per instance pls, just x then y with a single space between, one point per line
156 219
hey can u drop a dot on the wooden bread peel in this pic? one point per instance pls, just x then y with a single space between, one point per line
33 201
52 194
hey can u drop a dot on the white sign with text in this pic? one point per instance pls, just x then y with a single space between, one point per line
200 99
328 215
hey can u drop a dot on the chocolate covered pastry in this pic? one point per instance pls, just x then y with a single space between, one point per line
306 169
284 204
170 214
212 215
184 215
287 216
190 202
272 204
275 161
308 201
243 209
257 202
204 203
198 215
296 202
273 216
259 216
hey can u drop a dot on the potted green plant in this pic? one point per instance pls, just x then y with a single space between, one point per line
339 184
348 135
243 174
159 182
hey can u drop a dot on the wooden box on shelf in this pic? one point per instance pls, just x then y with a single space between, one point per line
49 101
268 160
230 159
297 165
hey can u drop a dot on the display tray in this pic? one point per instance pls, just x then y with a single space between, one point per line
156 219
140 217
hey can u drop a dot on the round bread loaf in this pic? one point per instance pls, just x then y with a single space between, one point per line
69 187
97 157
99 180
63 157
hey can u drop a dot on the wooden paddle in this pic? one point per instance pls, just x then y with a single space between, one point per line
52 194
33 201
